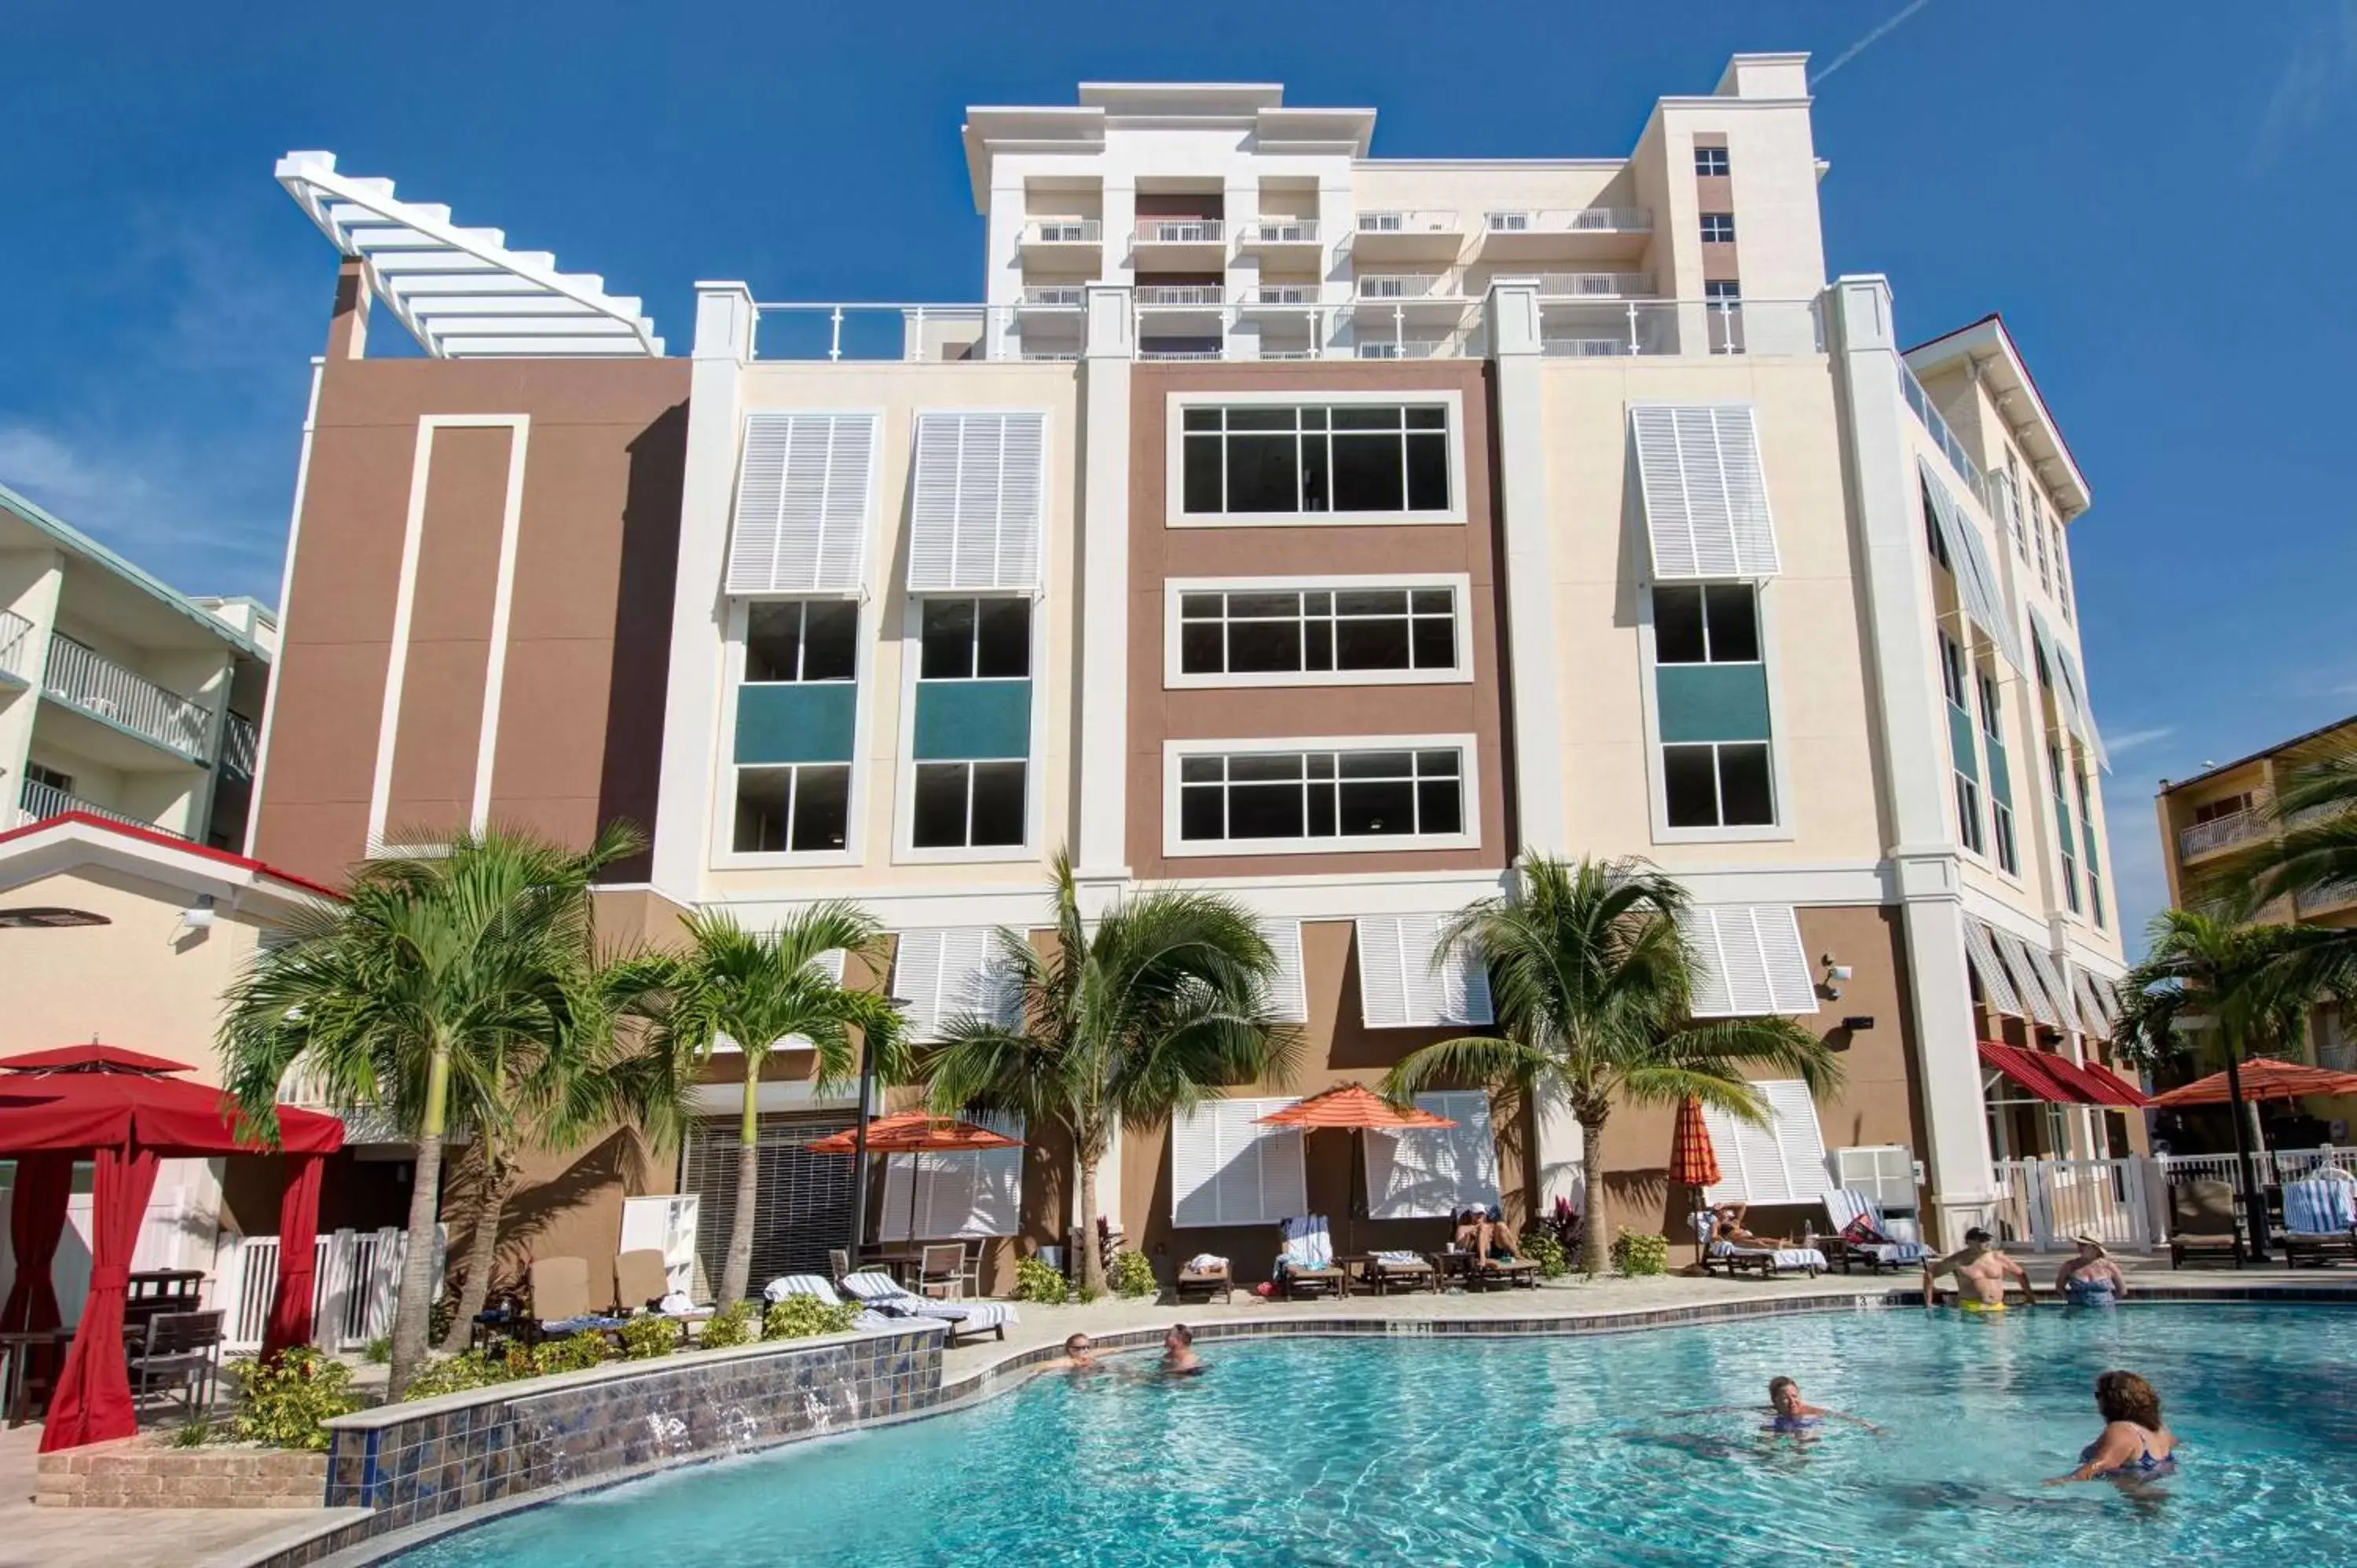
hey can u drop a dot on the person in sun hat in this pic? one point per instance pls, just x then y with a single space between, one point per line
2090 1277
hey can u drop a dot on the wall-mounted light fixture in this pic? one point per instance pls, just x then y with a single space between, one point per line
1835 974
198 916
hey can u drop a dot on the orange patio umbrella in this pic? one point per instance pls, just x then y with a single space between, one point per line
2264 1077
1693 1161
915 1132
1355 1107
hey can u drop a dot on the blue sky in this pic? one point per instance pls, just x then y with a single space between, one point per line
2156 196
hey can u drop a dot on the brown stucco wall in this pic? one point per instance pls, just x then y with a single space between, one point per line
1158 551
581 713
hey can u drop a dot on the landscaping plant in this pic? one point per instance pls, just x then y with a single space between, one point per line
1636 1255
801 1316
1133 1275
1543 1248
1038 1280
649 1336
286 1399
732 1324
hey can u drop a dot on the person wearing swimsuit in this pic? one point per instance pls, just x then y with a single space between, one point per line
1791 1415
1981 1273
2090 1278
2136 1444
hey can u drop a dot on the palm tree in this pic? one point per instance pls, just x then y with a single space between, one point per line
1592 985
2315 809
424 988
752 991
1125 1022
2251 986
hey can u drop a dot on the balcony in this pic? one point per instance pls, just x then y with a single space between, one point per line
2221 833
2330 896
1566 231
1179 244
1282 237
17 645
1407 235
1594 285
1281 295
1063 242
1180 296
39 802
95 686
1945 440
1052 297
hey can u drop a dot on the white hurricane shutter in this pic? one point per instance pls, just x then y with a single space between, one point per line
2069 694
1288 996
1400 987
2026 979
1704 490
979 502
1977 579
1382 974
803 496
949 972
2099 1002
1884 1172
1750 961
957 1195
1782 1162
1225 1169
1996 988
1428 1171
2049 974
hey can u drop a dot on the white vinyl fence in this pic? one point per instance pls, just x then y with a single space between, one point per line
2124 1203
2271 1166
353 1284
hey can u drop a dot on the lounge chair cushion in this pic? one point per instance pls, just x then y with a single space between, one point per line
884 1294
812 1285
1401 1260
2320 1207
1782 1257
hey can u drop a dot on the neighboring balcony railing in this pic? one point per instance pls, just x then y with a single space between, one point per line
1180 232
1595 285
2218 832
1281 293
1064 232
1405 285
1287 232
1570 220
82 678
2328 896
1410 221
17 645
1945 438
241 746
1167 296
38 802
1054 296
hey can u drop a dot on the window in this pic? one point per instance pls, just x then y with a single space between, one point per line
972 725
1706 492
1968 814
1710 161
2062 568
2087 835
2000 805
2037 537
1290 631
1722 291
1431 1173
1782 1162
952 971
48 777
1322 798
804 494
2013 502
975 639
1407 981
796 810
968 805
1748 961
1951 672
801 640
1717 624
1263 460
2208 811
1718 784
977 502
1719 227
2062 828
1226 1168
2008 857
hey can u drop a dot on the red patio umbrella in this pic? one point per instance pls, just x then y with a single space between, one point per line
125 1112
1356 1107
2264 1077
1694 1162
915 1132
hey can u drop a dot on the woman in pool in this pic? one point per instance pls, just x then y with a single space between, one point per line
2134 1444
1789 1414
2090 1278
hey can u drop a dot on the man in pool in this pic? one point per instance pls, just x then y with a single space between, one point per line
1080 1355
1981 1271
1179 1352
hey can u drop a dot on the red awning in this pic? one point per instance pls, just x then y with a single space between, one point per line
2033 1072
2113 1089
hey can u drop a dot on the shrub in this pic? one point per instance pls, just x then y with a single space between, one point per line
285 1400
732 1324
455 1374
573 1353
1635 1255
379 1351
801 1316
1541 1248
1038 1280
439 1314
193 1432
648 1336
1133 1275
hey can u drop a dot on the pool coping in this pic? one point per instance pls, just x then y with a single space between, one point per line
1005 1373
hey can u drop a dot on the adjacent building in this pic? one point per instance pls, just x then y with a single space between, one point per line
1326 529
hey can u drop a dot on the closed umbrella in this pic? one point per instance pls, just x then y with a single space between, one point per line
1356 1107
1693 1161
915 1132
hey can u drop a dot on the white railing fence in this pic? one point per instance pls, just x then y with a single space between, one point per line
1064 232
1180 232
2043 1204
355 1280
97 685
1282 231
38 802
2270 1166
17 645
2220 831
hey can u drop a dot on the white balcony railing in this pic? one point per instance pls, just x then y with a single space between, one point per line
241 746
1064 232
1054 296
17 645
2327 896
1945 439
1595 285
1406 286
1282 231
1180 232
1569 220
1275 294
2218 832
97 685
1164 296
38 802
1410 221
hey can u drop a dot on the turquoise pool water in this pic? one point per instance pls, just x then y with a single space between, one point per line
1359 1452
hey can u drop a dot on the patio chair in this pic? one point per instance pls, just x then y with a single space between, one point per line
560 1298
642 1285
817 1289
2320 1220
178 1349
2202 1222
1724 1257
940 1269
1860 1235
1205 1275
1399 1268
882 1293
838 1263
1305 1265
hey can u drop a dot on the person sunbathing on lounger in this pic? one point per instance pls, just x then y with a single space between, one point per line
1726 1225
1484 1233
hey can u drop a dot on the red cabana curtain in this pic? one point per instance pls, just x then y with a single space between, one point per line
298 1239
37 1218
92 1402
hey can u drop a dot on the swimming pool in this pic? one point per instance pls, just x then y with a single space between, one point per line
1529 1451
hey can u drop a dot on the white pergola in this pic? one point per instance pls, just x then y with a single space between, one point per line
461 292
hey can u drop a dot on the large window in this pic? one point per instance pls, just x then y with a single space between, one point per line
2008 856
1721 784
1263 459
2087 837
795 727
1321 799
1713 624
799 809
1710 694
968 805
1719 227
801 640
1404 632
972 725
975 639
1709 161
2055 772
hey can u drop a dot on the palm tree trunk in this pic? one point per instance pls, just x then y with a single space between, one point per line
1093 1270
491 1175
738 1269
415 1300
1593 1249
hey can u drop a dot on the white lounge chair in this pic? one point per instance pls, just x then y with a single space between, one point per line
813 1287
882 1293
2319 1220
1726 1257
1845 1207
1306 1262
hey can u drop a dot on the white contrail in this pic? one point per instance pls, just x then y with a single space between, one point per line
1867 42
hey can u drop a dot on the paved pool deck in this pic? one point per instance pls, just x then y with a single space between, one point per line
225 1537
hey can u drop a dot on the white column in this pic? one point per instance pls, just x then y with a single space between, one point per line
30 584
1240 211
1529 567
1908 726
1002 279
1103 701
1119 228
1338 218
692 742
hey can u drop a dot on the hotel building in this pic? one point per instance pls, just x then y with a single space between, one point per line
1326 529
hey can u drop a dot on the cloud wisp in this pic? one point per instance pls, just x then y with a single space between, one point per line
2316 83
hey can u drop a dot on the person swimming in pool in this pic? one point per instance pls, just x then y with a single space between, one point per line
1789 1414
1178 1358
1080 1355
2136 1444
2090 1277
1981 1271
